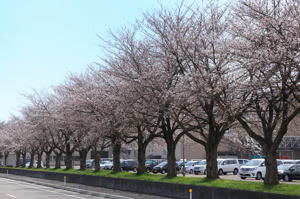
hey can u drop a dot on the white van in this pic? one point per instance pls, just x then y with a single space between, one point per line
255 168
228 166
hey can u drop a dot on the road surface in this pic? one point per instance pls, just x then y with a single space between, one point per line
12 189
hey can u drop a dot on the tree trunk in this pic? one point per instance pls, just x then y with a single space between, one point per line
211 161
172 172
69 158
47 159
18 159
116 155
83 154
141 158
24 159
97 159
271 177
39 159
57 160
31 159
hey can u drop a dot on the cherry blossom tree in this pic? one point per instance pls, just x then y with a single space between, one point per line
266 44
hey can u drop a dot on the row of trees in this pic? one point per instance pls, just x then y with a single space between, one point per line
194 70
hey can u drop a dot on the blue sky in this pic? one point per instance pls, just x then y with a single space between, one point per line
42 41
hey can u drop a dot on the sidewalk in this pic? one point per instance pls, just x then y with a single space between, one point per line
83 189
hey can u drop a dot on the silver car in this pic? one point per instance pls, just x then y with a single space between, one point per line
200 168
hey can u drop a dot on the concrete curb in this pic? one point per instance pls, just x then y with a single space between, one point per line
72 189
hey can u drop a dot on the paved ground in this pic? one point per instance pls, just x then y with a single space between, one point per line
237 177
22 187
10 189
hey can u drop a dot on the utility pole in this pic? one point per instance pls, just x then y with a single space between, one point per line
183 158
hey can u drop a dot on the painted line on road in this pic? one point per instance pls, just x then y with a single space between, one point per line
11 195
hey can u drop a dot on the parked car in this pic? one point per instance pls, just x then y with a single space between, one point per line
163 168
289 161
291 172
200 168
180 164
129 165
242 161
149 164
89 164
107 165
228 166
189 166
160 168
282 169
255 168
34 164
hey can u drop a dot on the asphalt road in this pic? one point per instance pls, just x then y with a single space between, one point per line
12 189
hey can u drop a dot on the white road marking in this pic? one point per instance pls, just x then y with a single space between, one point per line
11 195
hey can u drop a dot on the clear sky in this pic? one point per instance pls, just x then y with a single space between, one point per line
42 41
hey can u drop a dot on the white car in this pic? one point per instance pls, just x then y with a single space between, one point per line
255 168
104 164
34 164
228 166
189 166
200 168
108 165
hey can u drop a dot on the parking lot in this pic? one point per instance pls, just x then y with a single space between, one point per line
236 177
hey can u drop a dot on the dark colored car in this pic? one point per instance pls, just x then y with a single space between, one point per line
180 164
290 173
160 168
149 164
163 168
129 165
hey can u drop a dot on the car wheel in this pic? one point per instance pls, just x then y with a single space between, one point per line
220 172
163 171
258 176
287 178
243 178
191 171
134 170
148 170
196 173
204 172
235 171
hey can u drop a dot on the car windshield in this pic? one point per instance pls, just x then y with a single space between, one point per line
190 163
162 164
220 162
284 166
253 163
89 161
202 162
148 161
289 162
